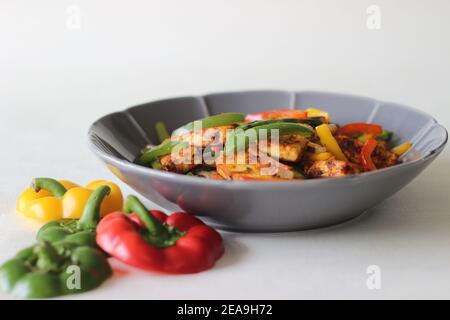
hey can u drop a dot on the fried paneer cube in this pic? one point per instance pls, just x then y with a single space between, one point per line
205 137
167 164
290 148
331 168
381 156
181 161
350 147
266 168
210 175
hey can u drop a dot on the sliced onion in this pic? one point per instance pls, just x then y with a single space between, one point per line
317 147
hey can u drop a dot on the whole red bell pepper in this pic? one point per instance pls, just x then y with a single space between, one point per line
152 240
366 154
360 127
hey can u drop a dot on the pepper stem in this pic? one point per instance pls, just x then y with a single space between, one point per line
154 226
91 211
49 184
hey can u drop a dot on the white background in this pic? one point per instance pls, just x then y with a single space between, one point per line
55 81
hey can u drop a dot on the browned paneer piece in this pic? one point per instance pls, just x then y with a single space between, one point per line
350 147
290 148
266 168
210 175
205 137
331 168
182 160
167 164
382 157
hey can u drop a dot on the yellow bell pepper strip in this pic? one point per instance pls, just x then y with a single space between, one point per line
402 148
317 113
329 142
47 199
320 156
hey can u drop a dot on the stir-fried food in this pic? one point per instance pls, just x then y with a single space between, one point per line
275 145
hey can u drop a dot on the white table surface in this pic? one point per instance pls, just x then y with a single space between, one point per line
54 81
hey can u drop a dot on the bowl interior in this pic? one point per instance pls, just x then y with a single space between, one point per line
123 134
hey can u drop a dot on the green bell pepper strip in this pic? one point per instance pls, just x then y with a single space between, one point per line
161 131
156 165
80 232
48 270
298 174
313 122
309 121
240 140
217 120
150 157
385 135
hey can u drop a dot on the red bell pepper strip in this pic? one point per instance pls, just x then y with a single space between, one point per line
366 154
277 114
179 243
359 128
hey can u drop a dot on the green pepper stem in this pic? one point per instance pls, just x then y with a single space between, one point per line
91 211
49 184
154 226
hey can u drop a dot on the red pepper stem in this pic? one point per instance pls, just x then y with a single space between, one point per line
91 211
49 184
154 226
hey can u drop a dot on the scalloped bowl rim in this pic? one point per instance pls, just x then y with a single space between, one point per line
261 184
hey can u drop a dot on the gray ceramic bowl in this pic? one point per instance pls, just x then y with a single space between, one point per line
117 139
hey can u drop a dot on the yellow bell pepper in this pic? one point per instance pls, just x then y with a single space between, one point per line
48 199
317 113
402 148
320 156
329 142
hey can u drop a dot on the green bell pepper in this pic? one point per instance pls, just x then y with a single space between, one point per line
240 140
217 120
161 131
298 174
309 121
385 135
80 232
149 158
48 270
